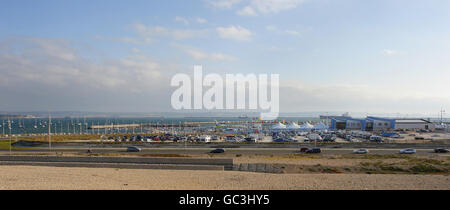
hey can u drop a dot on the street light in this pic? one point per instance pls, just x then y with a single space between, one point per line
10 137
49 131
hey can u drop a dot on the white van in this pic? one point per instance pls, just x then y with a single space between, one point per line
205 138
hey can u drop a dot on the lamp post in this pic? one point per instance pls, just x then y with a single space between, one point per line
10 137
49 131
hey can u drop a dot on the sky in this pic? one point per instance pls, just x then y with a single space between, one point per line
387 56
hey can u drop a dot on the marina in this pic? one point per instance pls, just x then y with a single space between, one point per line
342 129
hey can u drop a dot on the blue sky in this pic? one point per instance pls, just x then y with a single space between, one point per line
373 56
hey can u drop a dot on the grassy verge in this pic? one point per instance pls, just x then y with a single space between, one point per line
375 157
4 145
293 156
410 166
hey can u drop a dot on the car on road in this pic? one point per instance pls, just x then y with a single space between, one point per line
408 151
133 149
218 150
304 149
441 150
314 150
360 151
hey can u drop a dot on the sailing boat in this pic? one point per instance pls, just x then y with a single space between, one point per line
243 116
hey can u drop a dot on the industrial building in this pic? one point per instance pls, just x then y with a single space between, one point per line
378 123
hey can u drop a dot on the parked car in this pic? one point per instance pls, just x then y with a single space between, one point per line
408 151
230 139
250 139
329 137
376 138
133 149
360 151
218 150
314 150
441 150
397 136
280 140
292 140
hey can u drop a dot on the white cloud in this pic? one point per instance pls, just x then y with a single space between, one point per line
390 52
200 55
59 65
49 74
189 33
197 54
274 6
255 7
150 32
357 98
186 21
136 50
224 4
292 32
54 48
273 28
182 19
234 32
247 11
201 20
127 40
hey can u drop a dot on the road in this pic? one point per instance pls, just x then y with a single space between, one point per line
231 148
234 151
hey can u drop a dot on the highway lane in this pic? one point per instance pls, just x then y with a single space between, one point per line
234 151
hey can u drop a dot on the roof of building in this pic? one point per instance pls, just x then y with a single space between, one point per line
411 121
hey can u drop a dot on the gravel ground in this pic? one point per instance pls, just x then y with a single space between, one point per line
37 178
